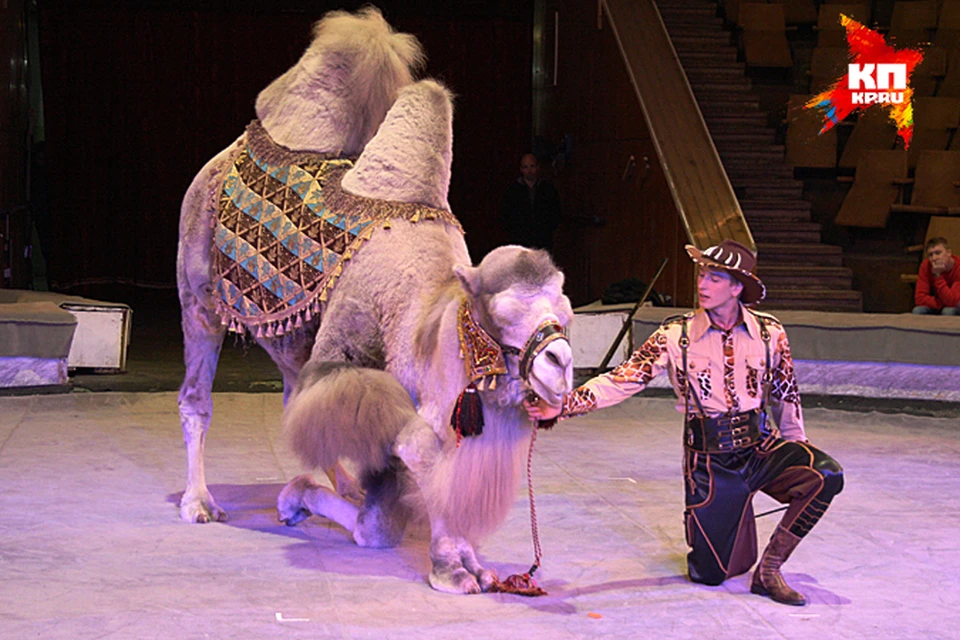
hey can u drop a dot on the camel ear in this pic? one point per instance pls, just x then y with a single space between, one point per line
469 278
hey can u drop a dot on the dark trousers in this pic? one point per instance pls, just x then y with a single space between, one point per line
719 491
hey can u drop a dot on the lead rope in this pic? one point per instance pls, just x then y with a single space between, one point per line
524 584
534 530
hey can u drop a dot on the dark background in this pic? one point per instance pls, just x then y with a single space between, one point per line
139 95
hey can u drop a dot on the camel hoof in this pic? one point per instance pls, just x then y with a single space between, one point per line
487 579
201 511
298 516
290 508
459 581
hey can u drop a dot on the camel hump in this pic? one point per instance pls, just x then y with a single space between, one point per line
410 157
336 95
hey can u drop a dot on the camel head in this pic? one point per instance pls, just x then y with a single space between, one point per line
517 296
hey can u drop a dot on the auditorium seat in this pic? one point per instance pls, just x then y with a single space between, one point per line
914 22
830 33
929 73
873 130
950 85
877 185
948 25
934 122
763 35
944 227
798 12
936 184
805 145
827 66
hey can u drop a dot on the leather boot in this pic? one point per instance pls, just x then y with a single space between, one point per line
767 580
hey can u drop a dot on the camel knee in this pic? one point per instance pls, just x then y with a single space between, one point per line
303 497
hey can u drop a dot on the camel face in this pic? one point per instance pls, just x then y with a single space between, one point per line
521 310
519 293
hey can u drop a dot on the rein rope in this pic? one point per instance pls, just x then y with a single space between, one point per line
534 530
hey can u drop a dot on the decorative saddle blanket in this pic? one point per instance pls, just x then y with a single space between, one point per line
284 230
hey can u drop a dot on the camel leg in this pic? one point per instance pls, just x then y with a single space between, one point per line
291 352
455 566
202 339
383 517
303 497
379 523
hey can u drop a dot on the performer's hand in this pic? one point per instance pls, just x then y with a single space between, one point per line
537 409
938 265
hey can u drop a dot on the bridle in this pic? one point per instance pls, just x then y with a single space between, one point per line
484 355
544 334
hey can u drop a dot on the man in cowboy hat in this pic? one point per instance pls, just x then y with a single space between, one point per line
732 372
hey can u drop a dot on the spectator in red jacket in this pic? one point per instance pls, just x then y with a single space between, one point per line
938 284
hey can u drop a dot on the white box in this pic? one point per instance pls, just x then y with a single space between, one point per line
591 335
102 336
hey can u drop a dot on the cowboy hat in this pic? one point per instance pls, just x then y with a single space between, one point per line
739 261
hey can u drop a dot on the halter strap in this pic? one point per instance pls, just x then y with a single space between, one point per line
483 354
547 332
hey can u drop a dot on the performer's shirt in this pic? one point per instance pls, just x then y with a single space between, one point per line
724 370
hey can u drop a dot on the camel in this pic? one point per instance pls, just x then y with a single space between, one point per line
466 484
330 103
398 299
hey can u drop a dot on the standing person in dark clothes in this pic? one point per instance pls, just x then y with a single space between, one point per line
531 207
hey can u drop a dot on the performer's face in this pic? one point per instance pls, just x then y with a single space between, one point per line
717 288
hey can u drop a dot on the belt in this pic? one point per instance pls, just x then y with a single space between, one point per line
726 433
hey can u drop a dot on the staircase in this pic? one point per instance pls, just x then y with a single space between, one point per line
799 271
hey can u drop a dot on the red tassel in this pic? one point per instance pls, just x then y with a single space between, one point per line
467 418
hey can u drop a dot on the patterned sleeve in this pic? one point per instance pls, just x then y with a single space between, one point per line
784 393
628 378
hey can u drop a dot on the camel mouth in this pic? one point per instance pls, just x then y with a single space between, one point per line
553 397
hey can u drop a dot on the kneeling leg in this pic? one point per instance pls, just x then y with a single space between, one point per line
383 517
303 497
719 518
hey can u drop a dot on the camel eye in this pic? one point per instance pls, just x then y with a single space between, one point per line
552 357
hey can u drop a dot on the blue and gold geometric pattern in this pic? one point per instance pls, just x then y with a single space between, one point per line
284 230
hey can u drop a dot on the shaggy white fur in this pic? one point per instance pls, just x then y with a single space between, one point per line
468 490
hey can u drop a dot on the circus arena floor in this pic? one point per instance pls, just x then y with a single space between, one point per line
91 545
